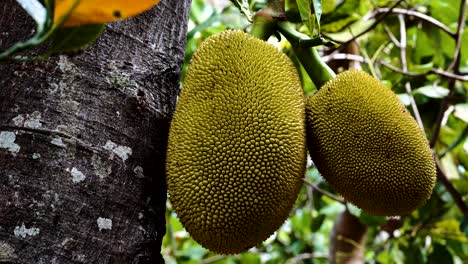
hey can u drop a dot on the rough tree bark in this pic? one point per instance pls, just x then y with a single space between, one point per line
83 139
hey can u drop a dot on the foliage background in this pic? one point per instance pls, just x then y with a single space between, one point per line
437 232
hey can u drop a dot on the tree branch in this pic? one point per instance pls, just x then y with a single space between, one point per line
212 259
331 196
304 256
419 15
440 72
353 57
376 22
404 67
391 35
455 66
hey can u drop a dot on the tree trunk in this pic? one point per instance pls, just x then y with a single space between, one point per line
83 139
348 240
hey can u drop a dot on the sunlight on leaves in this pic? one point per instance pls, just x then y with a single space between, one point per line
307 16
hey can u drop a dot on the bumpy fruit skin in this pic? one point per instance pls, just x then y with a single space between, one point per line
236 152
368 147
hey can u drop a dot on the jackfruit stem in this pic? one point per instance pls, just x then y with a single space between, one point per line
318 70
315 67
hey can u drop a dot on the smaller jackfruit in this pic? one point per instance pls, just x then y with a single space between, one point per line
367 145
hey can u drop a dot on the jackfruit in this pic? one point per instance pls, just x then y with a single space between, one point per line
367 146
237 149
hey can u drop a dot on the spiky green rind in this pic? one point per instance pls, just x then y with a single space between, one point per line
367 145
236 151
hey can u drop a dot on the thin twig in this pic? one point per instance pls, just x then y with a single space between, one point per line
440 117
304 256
354 57
419 15
333 197
440 72
404 67
457 198
455 66
448 75
391 35
371 27
212 259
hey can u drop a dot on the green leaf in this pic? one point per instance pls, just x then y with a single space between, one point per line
461 185
413 254
457 142
339 24
317 5
353 30
317 222
332 207
74 38
421 68
328 6
448 229
297 247
301 220
449 165
344 14
461 112
354 210
192 252
464 225
439 255
404 98
176 224
372 220
317 201
384 257
396 255
250 258
243 6
432 91
35 9
424 45
445 11
305 11
464 50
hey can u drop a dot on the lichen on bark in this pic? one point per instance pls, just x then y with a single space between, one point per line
89 203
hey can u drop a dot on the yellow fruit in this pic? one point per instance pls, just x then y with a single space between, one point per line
98 11
236 151
368 146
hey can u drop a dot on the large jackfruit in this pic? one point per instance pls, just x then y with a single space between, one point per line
368 146
236 151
